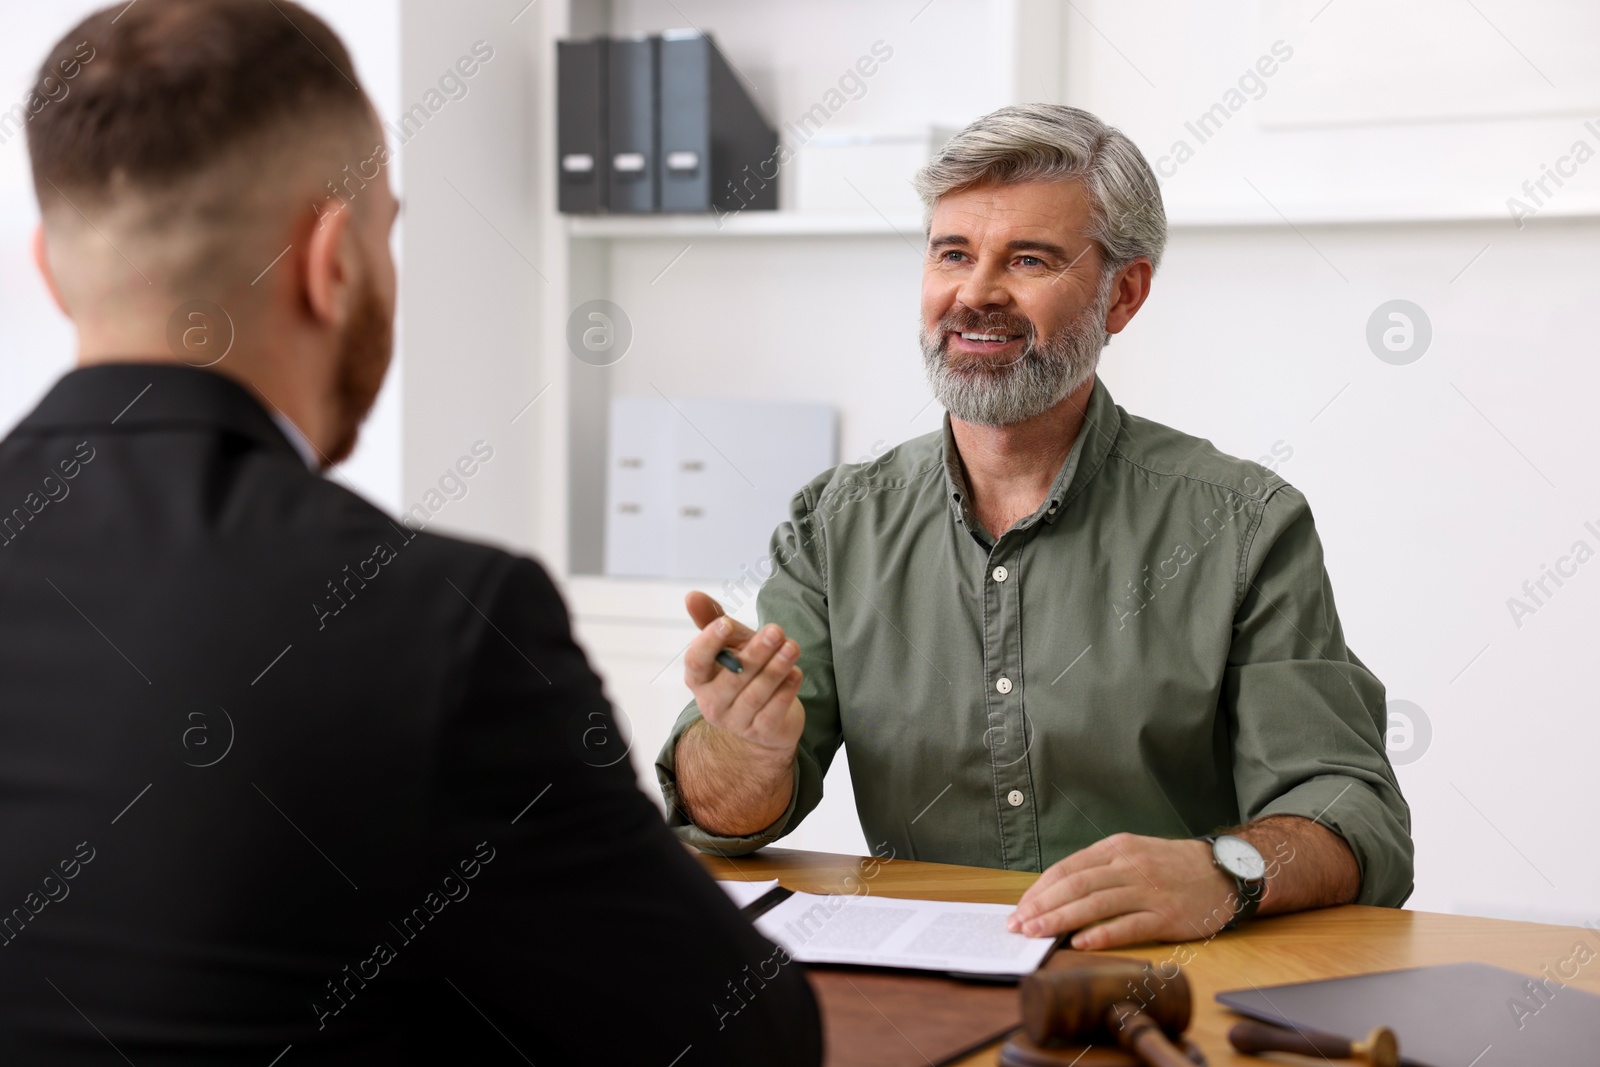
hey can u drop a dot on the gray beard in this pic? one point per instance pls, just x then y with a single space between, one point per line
1046 373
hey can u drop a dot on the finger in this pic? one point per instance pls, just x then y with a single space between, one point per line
703 609
1064 891
769 721
790 689
1129 929
1085 911
759 690
1121 847
700 656
720 692
1096 855
728 690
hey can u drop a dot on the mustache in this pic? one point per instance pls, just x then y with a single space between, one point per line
962 319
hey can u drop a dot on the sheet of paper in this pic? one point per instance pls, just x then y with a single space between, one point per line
745 893
934 935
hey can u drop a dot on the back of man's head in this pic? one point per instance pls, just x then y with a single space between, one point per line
184 116
196 141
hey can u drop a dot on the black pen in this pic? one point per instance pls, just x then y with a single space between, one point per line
730 661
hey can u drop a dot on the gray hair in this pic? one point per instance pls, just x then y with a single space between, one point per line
1029 142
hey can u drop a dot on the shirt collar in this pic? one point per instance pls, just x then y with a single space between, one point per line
302 444
1100 425
128 397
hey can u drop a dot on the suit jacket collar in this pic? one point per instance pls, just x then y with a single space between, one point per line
132 396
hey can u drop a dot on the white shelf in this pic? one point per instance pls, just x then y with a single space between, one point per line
739 317
744 224
648 600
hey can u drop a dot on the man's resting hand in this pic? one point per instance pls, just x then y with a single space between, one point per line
1126 888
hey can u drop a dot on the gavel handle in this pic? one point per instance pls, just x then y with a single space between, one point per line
1254 1038
1139 1034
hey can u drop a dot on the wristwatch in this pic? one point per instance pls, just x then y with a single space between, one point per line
1239 860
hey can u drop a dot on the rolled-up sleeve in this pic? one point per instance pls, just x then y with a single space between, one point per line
795 598
1307 716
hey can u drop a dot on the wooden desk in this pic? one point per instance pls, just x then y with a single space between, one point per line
1290 948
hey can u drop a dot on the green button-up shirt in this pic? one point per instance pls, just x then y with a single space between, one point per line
1155 650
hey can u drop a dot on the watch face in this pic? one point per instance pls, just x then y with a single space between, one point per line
1239 858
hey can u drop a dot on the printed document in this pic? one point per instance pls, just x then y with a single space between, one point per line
934 935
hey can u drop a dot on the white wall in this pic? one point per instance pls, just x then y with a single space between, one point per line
1431 518
470 291
37 345
1439 486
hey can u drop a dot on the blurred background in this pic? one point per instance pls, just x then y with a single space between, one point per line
1381 282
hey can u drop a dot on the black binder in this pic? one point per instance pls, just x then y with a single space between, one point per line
716 149
581 126
630 171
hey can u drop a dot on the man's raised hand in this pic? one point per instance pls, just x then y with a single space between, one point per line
760 707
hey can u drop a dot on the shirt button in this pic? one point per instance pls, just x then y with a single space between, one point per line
1015 798
1003 685
1001 574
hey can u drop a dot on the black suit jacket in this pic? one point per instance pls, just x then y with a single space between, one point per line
280 776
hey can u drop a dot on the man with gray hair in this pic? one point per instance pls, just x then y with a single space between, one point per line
1053 636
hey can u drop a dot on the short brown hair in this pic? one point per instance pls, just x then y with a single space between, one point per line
173 86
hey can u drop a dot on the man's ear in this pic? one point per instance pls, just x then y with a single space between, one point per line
330 262
1128 293
41 259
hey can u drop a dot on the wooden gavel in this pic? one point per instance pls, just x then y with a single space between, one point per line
1109 1001
1380 1049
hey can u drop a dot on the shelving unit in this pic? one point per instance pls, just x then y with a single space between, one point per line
763 305
744 224
672 273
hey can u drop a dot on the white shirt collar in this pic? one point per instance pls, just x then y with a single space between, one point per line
302 445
